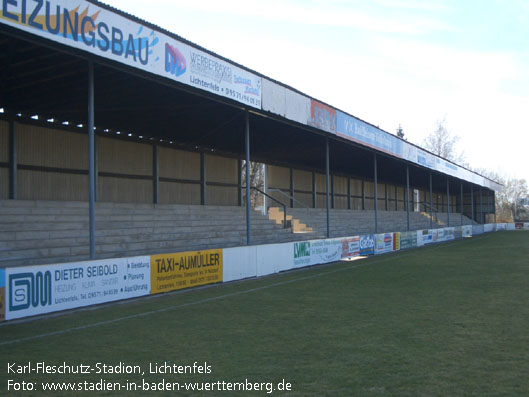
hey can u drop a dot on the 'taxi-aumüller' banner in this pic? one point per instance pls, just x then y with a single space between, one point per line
33 290
103 32
170 272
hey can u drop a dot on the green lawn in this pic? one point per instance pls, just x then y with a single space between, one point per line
450 319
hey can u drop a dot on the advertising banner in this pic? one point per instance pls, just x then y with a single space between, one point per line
408 240
424 237
367 244
88 27
180 270
488 227
350 247
384 243
2 294
500 227
322 117
477 229
351 128
308 253
466 230
32 290
518 225
510 226
396 241
445 234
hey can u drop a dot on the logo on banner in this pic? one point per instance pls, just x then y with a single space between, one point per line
301 250
322 116
367 244
29 289
175 62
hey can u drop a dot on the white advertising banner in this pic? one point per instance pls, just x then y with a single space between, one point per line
500 227
350 247
488 227
384 243
308 253
88 27
466 230
445 234
33 290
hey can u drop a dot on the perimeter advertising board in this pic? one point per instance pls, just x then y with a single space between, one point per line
367 244
180 270
477 229
308 253
97 30
384 243
2 294
466 230
408 240
424 237
350 247
32 290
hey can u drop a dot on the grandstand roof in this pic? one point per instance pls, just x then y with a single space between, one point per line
43 54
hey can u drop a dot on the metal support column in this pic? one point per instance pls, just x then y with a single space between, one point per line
239 183
376 191
431 202
314 193
202 178
396 198
248 187
348 193
332 191
462 204
155 174
96 168
480 207
363 195
408 196
448 201
488 204
386 193
91 165
327 172
291 187
13 163
494 204
472 201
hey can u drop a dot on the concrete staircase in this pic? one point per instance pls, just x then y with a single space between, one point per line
38 232
349 222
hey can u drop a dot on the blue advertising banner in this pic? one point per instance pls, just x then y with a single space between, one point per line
355 130
367 244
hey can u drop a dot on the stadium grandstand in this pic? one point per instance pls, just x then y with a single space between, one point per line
119 138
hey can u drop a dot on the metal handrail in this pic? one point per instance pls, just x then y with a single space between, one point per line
274 199
288 196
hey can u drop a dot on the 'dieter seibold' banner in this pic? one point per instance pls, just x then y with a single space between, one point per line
102 32
32 290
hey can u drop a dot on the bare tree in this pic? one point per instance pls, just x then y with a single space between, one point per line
256 180
442 143
507 199
400 132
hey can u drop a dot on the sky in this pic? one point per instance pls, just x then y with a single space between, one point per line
388 62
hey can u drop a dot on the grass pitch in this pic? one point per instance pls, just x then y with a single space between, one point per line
449 319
